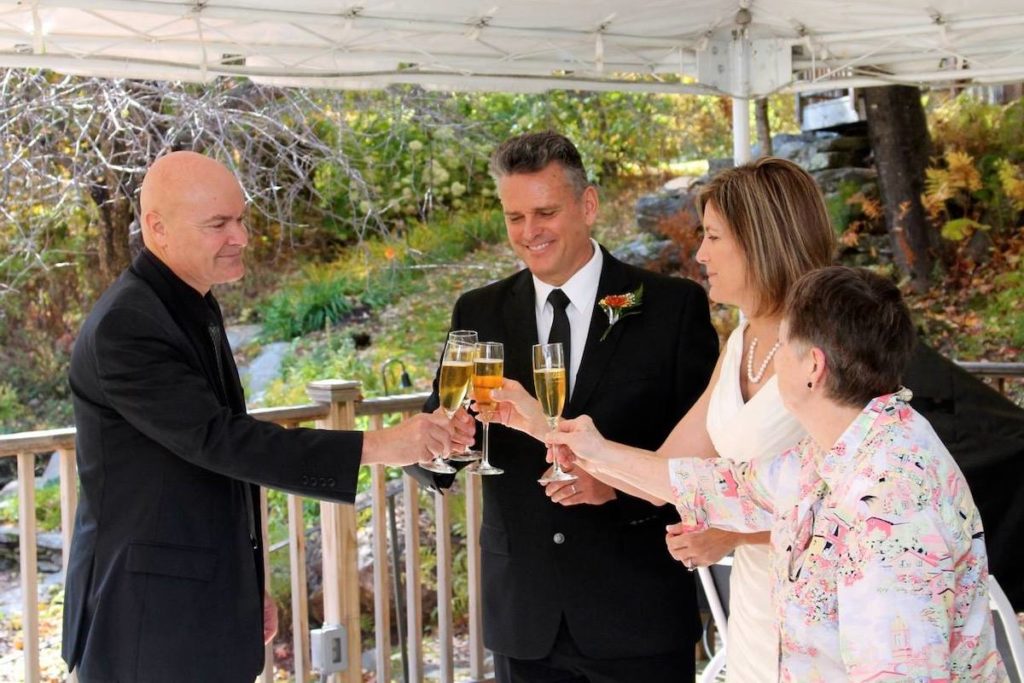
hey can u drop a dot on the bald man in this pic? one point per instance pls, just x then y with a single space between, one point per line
165 580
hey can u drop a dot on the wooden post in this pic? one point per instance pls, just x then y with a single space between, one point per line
68 502
338 529
268 651
300 589
381 586
413 587
443 531
27 548
68 508
476 622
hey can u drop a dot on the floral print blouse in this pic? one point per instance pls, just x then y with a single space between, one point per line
877 550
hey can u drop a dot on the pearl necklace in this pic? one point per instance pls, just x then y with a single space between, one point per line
754 379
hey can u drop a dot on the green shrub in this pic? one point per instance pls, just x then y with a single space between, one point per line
321 298
374 274
1003 315
975 181
47 508
841 211
11 409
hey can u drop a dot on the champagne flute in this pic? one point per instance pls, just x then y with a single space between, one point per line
549 382
469 454
488 374
456 374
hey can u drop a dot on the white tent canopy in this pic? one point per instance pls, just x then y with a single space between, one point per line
745 49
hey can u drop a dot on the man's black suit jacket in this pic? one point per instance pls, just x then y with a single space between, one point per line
165 581
605 568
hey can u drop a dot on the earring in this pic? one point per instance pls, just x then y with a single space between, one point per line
810 386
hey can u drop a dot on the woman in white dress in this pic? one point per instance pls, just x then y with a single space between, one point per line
765 225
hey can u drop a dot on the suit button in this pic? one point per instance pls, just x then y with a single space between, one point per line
559 538
305 481
330 482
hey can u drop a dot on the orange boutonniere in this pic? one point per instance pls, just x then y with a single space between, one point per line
618 306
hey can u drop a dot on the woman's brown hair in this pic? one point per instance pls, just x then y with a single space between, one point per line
776 211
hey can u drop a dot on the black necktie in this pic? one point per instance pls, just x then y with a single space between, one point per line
560 329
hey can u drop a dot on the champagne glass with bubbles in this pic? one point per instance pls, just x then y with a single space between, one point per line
468 337
456 375
488 374
550 383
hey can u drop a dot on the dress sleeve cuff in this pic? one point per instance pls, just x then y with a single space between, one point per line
688 478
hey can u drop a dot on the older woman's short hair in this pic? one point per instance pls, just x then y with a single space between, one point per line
777 213
860 322
532 152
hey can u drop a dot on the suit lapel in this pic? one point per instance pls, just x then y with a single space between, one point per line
520 331
597 354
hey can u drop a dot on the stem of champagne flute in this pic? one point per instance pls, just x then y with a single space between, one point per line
487 441
553 422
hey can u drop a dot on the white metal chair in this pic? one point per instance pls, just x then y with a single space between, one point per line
715 670
1008 636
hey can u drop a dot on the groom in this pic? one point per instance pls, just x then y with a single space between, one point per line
583 589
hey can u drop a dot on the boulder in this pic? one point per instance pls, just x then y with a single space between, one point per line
49 548
672 232
653 209
832 180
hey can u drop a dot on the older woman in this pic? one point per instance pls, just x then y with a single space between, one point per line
878 559
765 225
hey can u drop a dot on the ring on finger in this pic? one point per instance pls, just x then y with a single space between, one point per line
573 488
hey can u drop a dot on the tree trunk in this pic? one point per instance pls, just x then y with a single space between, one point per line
115 218
764 130
901 146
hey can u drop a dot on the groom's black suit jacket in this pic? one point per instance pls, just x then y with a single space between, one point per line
605 568
165 580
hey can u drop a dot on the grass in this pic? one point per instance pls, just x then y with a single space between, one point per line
374 274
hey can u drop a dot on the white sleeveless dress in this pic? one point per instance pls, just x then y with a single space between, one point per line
745 431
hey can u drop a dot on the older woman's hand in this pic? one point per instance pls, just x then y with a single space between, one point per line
518 409
579 436
699 548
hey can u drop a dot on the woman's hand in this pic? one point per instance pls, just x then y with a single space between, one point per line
699 548
581 437
519 410
269 618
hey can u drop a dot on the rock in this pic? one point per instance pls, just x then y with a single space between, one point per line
263 369
820 161
720 164
240 336
798 147
672 232
979 247
652 209
50 474
49 548
833 179
850 143
869 251
641 251
681 183
822 149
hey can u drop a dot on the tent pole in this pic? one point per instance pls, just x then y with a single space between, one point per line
740 57
740 130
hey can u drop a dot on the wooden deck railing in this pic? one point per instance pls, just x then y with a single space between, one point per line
336 407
